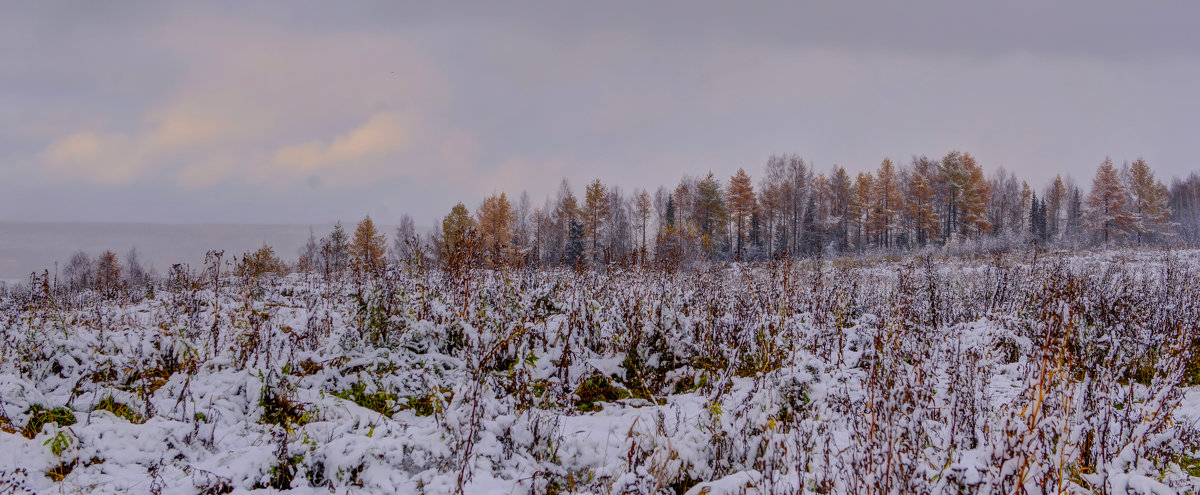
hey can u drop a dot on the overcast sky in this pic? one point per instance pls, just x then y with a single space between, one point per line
294 112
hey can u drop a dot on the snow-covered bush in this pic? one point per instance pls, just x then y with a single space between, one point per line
1009 372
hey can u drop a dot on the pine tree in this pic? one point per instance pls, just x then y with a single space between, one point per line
565 210
709 213
1107 204
335 250
1055 201
574 254
811 240
841 195
670 212
1037 217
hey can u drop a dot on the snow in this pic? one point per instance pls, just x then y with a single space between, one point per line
491 395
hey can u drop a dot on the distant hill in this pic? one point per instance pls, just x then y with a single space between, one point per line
27 247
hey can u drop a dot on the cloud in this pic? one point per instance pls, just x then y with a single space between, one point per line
381 135
265 105
114 158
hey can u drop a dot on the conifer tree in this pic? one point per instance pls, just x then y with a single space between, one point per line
919 206
496 220
1055 200
369 248
574 255
862 204
1151 201
642 208
108 274
595 209
887 201
841 196
457 226
565 209
740 194
335 250
709 213
1107 205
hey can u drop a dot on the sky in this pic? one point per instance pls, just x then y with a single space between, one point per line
297 112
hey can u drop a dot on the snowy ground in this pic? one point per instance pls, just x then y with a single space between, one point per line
1061 373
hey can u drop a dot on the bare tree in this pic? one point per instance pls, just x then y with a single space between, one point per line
135 273
404 240
80 272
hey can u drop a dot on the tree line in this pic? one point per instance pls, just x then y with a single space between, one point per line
793 211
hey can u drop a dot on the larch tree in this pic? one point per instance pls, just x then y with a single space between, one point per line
108 274
643 206
260 262
595 209
887 201
976 201
861 205
368 251
968 194
740 194
457 228
1107 204
919 206
1151 201
495 219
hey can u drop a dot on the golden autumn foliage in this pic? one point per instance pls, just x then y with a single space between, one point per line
368 249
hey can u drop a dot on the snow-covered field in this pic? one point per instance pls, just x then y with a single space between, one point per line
1042 373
